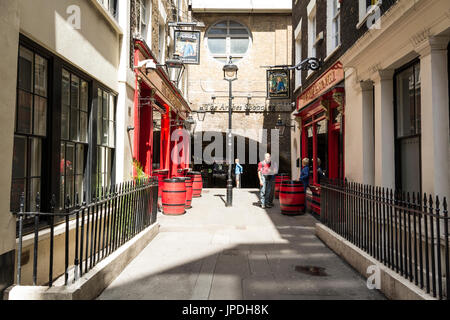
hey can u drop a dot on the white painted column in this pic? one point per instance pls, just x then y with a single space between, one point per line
368 138
384 129
434 116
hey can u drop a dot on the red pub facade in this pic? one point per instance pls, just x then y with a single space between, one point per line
159 110
320 113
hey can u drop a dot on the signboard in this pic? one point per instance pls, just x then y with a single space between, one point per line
187 46
272 107
278 84
328 80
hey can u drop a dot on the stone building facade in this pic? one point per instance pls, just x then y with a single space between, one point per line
268 32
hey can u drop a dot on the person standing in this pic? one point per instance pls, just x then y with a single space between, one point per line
266 175
238 170
304 174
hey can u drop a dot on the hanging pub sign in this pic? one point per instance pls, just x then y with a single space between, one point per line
187 46
278 84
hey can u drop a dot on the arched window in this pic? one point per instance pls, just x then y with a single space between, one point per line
227 38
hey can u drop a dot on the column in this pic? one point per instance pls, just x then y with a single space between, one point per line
434 116
359 130
368 138
384 129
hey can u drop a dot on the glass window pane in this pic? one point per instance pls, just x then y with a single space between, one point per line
83 126
239 31
216 31
84 100
24 116
111 134
239 45
70 157
62 155
217 45
74 92
69 188
221 25
25 69
418 112
74 121
19 157
234 24
105 132
99 116
405 103
65 88
65 112
40 116
35 157
18 186
410 164
40 76
111 107
34 188
105 106
80 159
61 192
79 188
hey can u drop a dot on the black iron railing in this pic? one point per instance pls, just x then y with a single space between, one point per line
407 232
113 217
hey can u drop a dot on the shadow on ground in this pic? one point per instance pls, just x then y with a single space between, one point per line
240 253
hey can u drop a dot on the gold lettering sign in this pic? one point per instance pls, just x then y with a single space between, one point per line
333 76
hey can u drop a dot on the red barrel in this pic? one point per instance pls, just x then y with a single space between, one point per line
278 179
292 197
315 203
174 197
197 183
189 191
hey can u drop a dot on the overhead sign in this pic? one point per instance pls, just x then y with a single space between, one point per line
187 46
329 79
278 84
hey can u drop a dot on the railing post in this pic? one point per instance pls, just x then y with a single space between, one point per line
66 256
438 246
447 258
19 251
52 234
76 271
36 238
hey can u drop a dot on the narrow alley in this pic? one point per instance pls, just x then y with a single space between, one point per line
243 252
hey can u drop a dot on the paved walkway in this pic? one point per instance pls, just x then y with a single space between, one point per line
243 252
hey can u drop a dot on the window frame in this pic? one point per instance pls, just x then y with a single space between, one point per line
75 142
99 144
398 139
223 57
31 134
312 34
51 143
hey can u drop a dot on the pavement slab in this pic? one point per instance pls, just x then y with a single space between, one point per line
238 253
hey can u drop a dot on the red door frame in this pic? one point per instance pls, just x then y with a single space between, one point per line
333 135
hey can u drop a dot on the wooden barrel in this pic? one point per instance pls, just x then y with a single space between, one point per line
292 197
315 203
197 183
174 197
189 191
278 179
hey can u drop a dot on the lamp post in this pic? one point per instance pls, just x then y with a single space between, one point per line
230 74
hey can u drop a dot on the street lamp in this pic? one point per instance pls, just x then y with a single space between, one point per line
280 125
230 74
